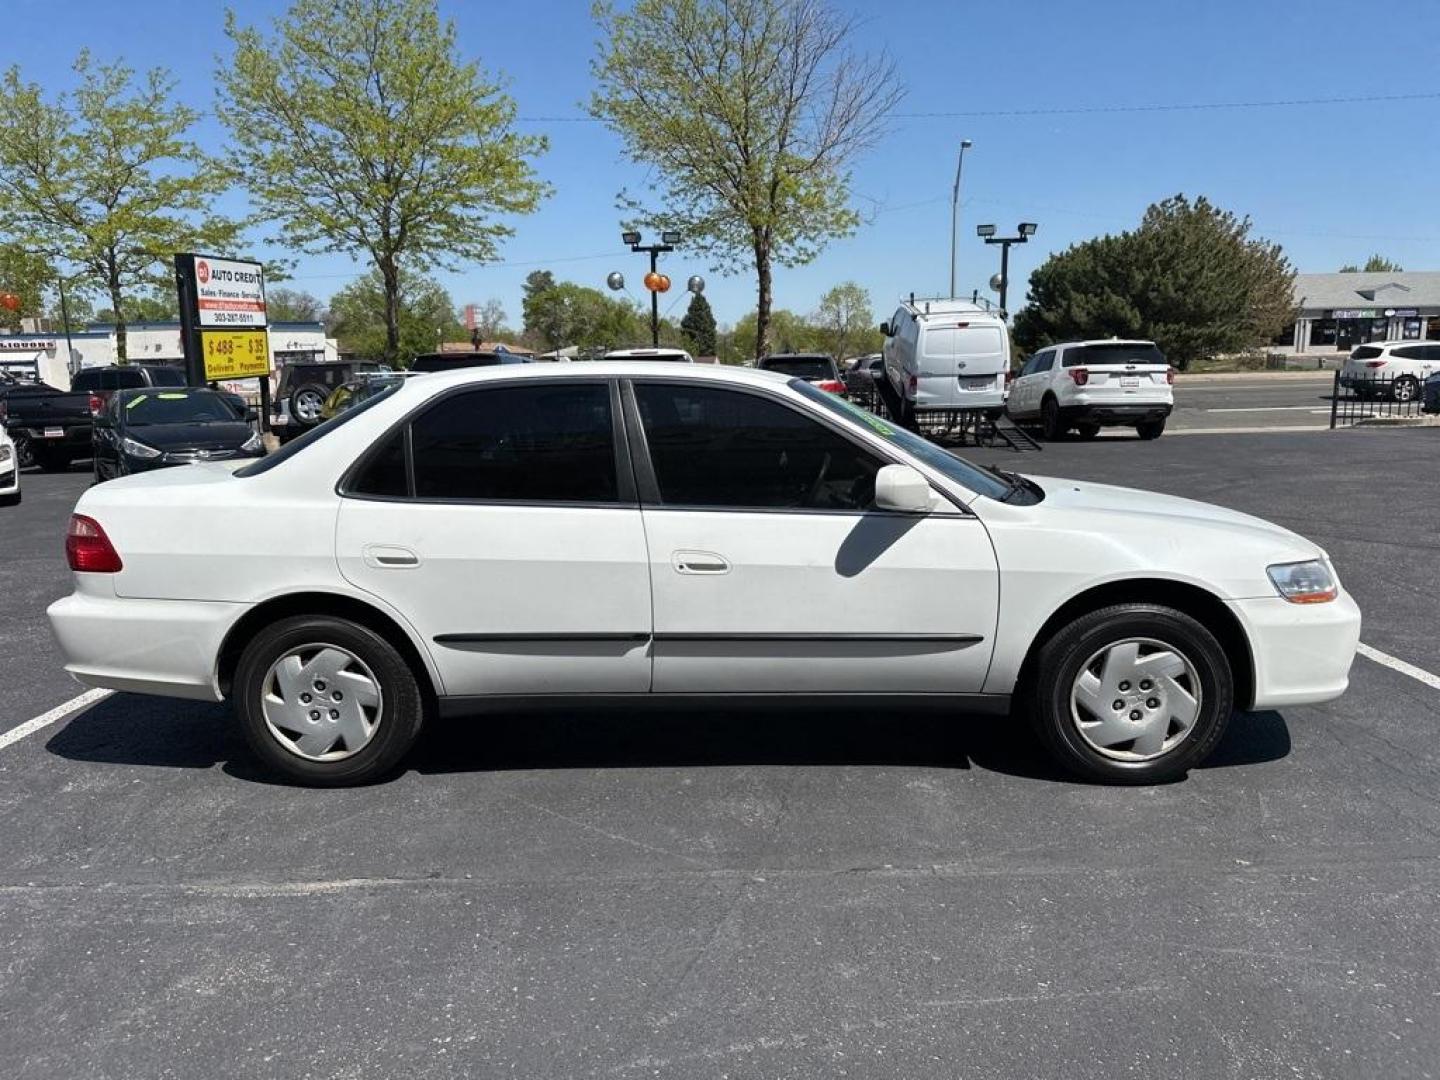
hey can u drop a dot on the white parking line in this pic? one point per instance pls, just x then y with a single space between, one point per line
44 720
1385 659
1274 408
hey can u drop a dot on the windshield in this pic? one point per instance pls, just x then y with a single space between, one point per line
941 460
142 407
1119 352
800 367
314 435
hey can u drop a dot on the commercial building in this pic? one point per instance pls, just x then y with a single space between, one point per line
42 356
1336 312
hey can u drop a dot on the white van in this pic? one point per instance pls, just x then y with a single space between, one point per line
946 355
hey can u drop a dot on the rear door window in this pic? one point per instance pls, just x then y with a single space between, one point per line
166 376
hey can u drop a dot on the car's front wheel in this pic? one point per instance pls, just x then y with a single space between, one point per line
1134 694
327 702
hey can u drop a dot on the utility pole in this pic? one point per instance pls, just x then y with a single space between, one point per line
965 144
655 281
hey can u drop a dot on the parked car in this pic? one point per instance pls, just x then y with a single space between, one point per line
49 427
101 382
944 356
861 372
457 361
141 430
562 533
818 369
1398 368
1430 394
9 471
676 356
302 388
1087 385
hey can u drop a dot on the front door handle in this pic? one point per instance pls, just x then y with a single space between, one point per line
699 562
389 557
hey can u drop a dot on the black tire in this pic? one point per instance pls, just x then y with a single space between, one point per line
1405 389
1151 429
24 450
12 499
1059 664
301 400
1052 427
908 418
51 460
1087 431
399 719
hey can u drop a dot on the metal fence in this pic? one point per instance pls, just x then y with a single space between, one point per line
956 427
1358 397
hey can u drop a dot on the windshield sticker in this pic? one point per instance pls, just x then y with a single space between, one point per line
136 401
172 397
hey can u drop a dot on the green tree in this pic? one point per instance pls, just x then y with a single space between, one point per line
359 128
161 305
106 179
1190 278
26 275
846 322
293 305
698 326
426 317
490 320
567 314
748 114
1376 264
789 332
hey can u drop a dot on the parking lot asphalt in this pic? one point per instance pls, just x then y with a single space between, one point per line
1288 400
741 895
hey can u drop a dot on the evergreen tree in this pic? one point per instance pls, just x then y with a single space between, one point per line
698 326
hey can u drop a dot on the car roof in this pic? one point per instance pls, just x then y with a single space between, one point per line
606 368
653 351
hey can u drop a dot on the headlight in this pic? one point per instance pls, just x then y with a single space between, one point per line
252 444
6 453
1304 582
138 449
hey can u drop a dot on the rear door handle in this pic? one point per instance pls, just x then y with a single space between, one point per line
389 557
699 562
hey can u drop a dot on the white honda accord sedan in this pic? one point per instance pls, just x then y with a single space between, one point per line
613 532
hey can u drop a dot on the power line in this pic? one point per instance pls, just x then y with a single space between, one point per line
1081 110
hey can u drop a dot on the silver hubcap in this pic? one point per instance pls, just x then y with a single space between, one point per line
309 404
321 702
1136 700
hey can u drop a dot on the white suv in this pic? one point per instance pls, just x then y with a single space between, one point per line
1397 366
1088 385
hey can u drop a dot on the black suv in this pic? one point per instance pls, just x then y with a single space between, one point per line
818 369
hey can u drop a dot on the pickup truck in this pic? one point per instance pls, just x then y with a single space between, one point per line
51 428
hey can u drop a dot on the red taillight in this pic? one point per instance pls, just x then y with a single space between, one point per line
88 550
832 386
1009 377
1375 363
97 403
1079 376
1170 376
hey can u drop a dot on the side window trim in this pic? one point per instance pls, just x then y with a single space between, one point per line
625 475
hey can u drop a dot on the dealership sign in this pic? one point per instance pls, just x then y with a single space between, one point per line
10 344
229 293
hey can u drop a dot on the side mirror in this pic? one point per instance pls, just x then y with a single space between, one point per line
885 329
899 487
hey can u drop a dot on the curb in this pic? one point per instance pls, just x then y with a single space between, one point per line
1398 421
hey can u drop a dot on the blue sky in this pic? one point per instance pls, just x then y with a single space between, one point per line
1332 183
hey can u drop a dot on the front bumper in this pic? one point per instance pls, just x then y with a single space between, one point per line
1301 652
166 647
9 479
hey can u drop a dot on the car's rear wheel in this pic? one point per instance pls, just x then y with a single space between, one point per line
1151 429
1133 694
1088 431
1050 423
327 702
306 403
1405 388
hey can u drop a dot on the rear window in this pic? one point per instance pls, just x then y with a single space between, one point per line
1118 353
166 376
1366 352
801 367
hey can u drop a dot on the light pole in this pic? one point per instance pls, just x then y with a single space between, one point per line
965 144
1026 229
655 281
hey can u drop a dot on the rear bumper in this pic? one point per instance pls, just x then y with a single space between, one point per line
166 647
1301 652
75 438
1103 414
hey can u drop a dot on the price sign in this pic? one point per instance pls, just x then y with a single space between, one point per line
235 354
